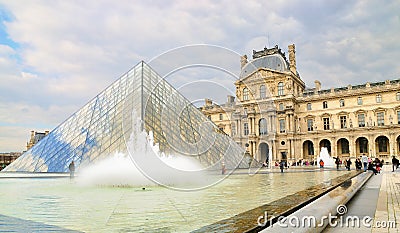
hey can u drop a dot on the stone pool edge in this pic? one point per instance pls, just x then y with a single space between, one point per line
248 221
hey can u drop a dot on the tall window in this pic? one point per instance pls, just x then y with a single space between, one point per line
345 146
343 123
263 93
359 101
398 117
363 145
233 129
341 102
326 123
378 98
281 107
280 88
361 120
382 144
308 106
325 104
246 128
262 125
310 124
221 117
380 118
282 126
398 96
245 93
310 148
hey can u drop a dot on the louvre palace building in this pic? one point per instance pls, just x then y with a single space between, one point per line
276 116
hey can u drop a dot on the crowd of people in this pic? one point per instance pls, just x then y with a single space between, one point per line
363 163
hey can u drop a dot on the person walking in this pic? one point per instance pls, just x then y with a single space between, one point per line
321 163
348 163
395 163
364 160
337 161
358 164
71 168
281 165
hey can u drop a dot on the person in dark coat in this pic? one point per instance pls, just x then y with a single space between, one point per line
337 161
395 163
71 168
281 165
348 163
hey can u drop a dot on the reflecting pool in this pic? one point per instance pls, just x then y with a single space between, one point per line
61 204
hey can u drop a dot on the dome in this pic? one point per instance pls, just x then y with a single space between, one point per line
274 62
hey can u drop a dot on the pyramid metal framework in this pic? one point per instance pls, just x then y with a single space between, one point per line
103 126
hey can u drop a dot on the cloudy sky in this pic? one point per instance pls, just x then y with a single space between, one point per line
56 55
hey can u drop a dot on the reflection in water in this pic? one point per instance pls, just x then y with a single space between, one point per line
63 203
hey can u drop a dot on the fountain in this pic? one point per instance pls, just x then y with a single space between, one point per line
144 165
328 160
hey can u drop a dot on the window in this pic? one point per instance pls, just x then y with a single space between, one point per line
326 123
359 101
398 96
398 117
233 129
382 144
246 128
345 146
310 148
325 104
378 98
309 106
361 120
380 118
245 94
310 124
282 127
209 117
221 117
341 103
343 123
280 107
262 92
262 125
280 88
363 145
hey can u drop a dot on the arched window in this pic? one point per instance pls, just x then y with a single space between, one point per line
280 89
262 125
263 93
245 94
398 96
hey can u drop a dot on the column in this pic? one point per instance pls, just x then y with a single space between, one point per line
351 147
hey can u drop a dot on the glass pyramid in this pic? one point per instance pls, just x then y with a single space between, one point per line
103 126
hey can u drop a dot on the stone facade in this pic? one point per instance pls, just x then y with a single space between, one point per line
7 158
275 113
35 138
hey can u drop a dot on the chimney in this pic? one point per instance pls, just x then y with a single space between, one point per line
208 102
317 85
231 99
292 58
243 61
